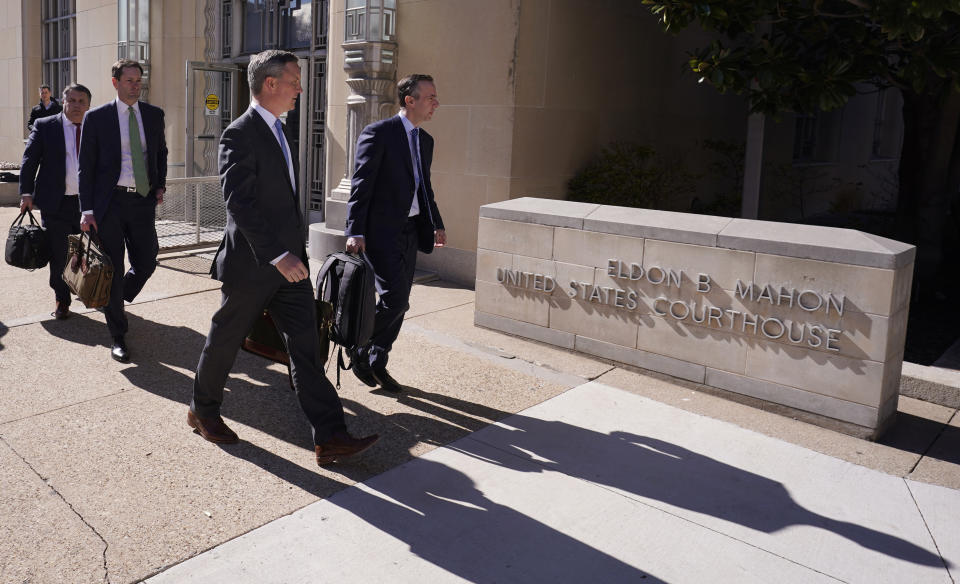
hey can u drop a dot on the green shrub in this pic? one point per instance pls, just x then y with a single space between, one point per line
630 175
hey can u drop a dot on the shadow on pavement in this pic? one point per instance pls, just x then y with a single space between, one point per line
432 520
923 436
444 519
661 471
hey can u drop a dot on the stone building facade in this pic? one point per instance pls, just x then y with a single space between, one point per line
530 90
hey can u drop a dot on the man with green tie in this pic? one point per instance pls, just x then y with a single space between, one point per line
123 173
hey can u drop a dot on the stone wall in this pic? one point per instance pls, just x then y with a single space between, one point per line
813 318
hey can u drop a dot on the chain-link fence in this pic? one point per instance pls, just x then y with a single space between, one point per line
192 214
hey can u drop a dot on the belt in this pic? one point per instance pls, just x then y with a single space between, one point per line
124 189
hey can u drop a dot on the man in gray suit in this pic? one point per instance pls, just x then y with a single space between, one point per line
262 263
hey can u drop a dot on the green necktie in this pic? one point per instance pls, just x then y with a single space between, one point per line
136 153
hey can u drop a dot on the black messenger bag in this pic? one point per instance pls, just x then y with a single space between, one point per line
28 246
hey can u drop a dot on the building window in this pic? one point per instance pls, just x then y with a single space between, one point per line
226 27
272 24
887 129
379 16
59 43
134 30
317 129
816 137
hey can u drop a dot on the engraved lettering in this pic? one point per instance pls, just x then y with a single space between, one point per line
686 309
833 337
658 299
816 334
779 328
805 305
703 283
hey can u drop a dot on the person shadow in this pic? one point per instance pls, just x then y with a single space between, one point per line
652 469
164 358
441 515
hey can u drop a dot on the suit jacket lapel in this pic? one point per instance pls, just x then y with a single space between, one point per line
266 134
61 144
405 143
114 134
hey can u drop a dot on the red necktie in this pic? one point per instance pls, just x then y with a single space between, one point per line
77 127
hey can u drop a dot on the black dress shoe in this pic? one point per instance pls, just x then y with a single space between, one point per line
62 311
341 445
119 351
362 371
386 382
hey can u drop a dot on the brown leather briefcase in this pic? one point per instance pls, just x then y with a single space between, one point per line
89 271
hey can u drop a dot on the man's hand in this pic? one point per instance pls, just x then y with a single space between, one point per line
356 244
439 238
87 221
26 203
159 194
292 268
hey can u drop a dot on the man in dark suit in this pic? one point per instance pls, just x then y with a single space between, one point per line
123 176
48 106
262 263
49 180
391 214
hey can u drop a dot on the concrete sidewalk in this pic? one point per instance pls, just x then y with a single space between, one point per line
503 460
601 485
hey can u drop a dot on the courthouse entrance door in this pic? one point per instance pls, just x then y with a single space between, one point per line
214 95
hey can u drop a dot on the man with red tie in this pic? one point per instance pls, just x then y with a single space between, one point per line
49 180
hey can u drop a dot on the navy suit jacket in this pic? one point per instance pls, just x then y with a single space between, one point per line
46 152
263 212
383 186
100 155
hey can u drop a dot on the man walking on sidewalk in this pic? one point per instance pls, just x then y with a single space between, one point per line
123 177
391 214
262 263
49 180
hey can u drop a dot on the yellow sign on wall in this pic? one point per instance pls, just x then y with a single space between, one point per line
213 104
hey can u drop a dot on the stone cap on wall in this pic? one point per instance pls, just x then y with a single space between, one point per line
830 244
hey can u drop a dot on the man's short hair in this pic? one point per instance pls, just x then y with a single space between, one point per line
76 87
119 66
267 64
410 85
45 86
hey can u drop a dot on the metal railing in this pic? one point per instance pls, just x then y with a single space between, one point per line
192 214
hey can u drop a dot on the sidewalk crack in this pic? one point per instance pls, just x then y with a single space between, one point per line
946 567
943 428
46 481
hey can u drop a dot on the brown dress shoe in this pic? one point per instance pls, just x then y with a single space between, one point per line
341 445
62 311
213 429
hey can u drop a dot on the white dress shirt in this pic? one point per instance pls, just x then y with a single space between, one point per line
414 147
72 162
126 161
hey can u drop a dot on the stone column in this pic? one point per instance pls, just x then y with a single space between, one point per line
371 74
